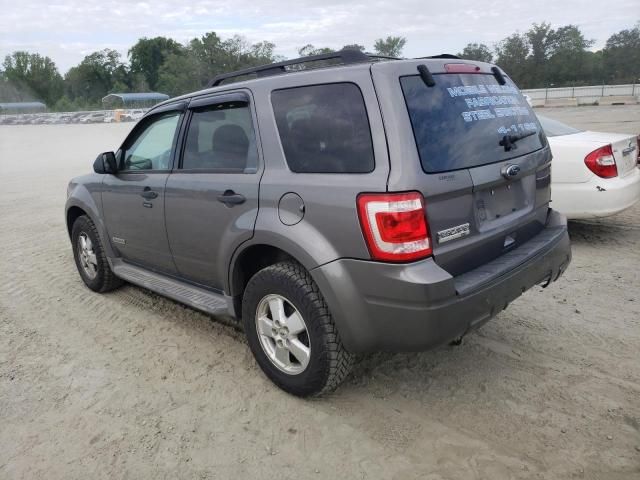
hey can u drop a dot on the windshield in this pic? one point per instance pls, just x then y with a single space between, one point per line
460 122
554 128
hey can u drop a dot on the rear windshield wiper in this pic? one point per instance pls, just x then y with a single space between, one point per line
509 141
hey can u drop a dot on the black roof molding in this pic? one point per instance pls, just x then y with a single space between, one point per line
442 55
345 57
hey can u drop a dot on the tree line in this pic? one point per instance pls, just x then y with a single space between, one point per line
154 64
540 57
546 57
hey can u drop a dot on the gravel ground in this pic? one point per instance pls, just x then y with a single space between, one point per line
132 385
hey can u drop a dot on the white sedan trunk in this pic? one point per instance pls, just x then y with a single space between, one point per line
578 192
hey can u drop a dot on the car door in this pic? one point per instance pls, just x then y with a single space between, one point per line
212 196
133 199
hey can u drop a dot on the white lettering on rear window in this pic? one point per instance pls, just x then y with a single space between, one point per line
469 90
476 102
477 115
511 111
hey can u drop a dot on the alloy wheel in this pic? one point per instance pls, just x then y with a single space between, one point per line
283 334
87 256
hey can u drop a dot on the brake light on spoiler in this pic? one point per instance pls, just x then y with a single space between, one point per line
395 226
461 68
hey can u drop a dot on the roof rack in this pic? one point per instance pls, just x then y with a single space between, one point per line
442 55
346 56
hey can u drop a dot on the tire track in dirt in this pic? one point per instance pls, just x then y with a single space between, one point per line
130 384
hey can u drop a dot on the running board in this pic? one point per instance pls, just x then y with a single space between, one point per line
199 298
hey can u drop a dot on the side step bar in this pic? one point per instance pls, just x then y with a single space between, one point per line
198 298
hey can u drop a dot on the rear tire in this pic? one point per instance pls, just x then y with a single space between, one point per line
90 258
299 349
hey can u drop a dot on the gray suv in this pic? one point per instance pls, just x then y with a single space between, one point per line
338 205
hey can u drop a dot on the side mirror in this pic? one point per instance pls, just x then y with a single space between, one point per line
105 163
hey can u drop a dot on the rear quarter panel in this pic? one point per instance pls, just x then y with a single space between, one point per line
569 152
330 228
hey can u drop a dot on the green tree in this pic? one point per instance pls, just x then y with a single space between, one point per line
511 55
180 73
10 93
594 68
390 46
569 62
205 57
33 73
541 38
238 53
621 56
148 54
354 46
96 76
477 51
310 49
215 56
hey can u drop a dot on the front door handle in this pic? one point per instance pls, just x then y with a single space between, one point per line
148 194
229 198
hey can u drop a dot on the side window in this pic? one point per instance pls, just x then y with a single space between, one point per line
151 148
221 138
324 128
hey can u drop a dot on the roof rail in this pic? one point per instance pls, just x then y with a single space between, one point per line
346 57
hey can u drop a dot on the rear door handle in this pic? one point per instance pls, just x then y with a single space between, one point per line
229 198
148 194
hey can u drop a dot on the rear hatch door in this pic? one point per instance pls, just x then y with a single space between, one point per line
482 198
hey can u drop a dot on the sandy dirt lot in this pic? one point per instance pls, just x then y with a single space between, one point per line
134 386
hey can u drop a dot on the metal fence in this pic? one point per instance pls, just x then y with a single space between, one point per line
584 95
95 116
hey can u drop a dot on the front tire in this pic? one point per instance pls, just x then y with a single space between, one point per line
90 257
291 332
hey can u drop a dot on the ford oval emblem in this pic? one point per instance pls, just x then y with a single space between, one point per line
510 171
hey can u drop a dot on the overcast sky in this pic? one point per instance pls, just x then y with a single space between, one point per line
67 30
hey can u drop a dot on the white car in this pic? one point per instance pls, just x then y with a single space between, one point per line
95 117
593 174
133 115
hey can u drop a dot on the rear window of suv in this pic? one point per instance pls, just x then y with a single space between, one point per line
459 122
324 128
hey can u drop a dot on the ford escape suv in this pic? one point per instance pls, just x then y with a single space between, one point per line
356 205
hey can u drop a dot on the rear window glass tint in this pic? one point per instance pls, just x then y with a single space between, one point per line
324 128
459 122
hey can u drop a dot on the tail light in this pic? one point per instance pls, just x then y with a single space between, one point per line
394 226
602 163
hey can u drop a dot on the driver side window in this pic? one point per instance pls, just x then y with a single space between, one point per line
151 148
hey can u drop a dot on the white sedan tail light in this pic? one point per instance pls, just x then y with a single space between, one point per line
602 163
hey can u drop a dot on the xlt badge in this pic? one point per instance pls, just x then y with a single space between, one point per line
452 233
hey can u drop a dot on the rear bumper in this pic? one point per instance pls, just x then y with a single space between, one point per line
599 197
412 307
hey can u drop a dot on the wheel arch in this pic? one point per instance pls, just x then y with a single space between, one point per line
73 213
249 260
82 202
